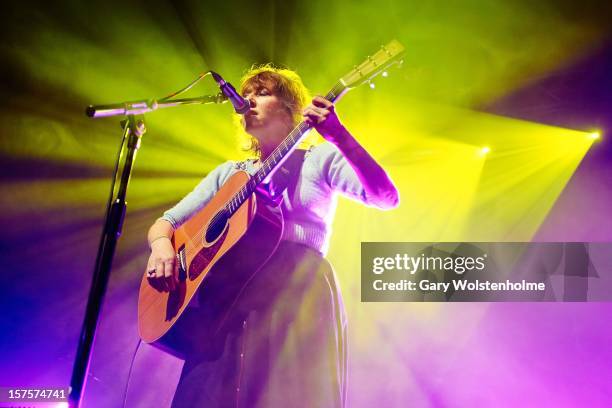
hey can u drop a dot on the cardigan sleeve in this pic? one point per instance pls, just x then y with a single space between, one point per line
338 173
199 196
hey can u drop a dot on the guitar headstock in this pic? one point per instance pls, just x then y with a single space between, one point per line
387 56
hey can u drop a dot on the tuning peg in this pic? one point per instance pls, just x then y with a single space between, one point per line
356 68
372 84
385 74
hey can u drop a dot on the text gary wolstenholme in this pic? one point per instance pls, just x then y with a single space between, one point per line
458 264
426 285
452 272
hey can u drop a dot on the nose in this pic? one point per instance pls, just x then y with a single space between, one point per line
251 99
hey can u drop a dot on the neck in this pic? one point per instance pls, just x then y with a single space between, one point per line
269 139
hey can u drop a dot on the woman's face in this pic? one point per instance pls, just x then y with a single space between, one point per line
268 117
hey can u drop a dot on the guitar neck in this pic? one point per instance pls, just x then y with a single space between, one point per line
280 154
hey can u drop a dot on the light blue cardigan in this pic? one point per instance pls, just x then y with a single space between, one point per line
308 209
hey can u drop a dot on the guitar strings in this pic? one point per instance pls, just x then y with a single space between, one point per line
233 202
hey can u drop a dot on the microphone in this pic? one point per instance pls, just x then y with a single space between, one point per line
241 105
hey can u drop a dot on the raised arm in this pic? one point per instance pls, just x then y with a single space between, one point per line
377 185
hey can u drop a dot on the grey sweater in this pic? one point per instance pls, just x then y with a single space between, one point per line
308 209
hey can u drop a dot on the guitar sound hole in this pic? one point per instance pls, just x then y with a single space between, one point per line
216 226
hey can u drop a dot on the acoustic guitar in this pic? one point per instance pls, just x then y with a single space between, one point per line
223 245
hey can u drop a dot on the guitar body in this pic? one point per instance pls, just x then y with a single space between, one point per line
216 253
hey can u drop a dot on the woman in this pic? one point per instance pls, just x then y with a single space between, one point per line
285 340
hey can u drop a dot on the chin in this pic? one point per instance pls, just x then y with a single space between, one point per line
250 124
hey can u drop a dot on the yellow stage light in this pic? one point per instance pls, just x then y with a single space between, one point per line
595 135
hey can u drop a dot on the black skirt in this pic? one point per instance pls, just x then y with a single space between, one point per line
283 344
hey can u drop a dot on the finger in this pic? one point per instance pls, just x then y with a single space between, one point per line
312 119
308 116
316 118
168 276
176 272
321 102
167 279
314 113
150 270
150 274
312 108
159 276
323 112
315 109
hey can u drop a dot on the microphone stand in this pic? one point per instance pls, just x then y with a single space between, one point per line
144 106
133 129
